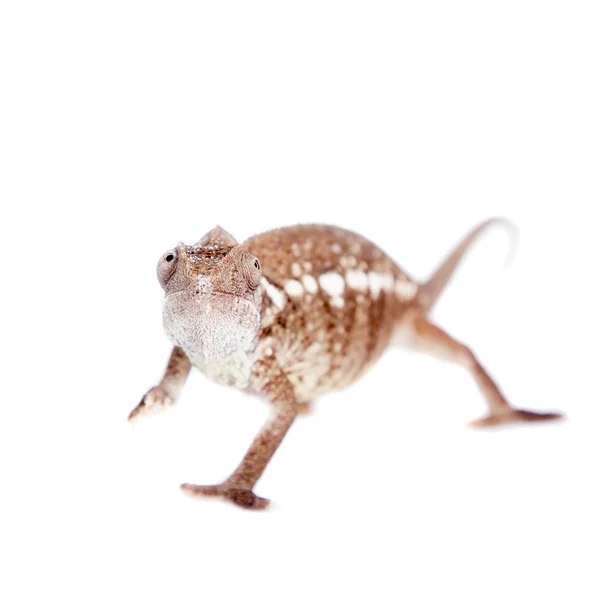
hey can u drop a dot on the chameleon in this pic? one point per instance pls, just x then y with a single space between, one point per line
292 314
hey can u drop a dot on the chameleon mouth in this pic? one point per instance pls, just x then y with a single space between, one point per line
212 326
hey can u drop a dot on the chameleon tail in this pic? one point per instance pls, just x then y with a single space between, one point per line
430 291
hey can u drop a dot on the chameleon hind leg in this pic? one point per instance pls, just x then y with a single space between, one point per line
431 339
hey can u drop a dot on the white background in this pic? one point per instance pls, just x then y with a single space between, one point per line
128 126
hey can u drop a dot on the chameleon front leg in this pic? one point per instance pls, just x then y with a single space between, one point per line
428 337
167 392
270 381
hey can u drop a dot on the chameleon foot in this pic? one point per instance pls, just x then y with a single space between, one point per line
515 416
154 401
240 496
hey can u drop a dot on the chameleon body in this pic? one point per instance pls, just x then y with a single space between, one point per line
292 314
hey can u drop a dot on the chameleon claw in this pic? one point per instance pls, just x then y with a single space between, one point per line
153 402
240 496
515 416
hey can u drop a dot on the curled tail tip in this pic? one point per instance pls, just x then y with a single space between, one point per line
432 289
513 232
511 228
508 224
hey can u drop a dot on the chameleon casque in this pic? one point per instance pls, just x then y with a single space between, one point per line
294 313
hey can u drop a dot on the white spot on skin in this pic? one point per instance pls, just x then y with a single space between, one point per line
348 261
337 302
310 284
406 290
296 270
336 248
374 284
380 281
357 280
276 295
332 284
293 288
387 282
204 284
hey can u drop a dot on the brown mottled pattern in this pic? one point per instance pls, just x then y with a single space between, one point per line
347 339
206 259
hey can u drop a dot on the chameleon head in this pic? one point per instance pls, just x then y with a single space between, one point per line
212 298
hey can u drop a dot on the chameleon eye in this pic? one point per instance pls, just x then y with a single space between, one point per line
251 271
166 267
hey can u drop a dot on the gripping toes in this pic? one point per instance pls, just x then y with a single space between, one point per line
154 401
515 416
242 497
